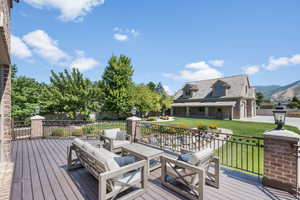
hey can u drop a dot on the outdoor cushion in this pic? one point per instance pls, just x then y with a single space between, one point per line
121 135
119 143
125 160
185 157
111 133
201 156
78 142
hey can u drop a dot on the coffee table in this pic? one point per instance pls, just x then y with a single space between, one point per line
152 155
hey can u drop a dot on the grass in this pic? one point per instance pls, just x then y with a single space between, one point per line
238 127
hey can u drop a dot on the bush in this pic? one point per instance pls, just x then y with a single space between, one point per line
58 132
76 132
89 130
213 126
151 119
182 126
200 124
202 127
164 117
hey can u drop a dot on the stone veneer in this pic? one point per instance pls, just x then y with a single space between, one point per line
281 160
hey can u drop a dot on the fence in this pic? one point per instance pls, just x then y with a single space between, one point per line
21 130
67 128
245 153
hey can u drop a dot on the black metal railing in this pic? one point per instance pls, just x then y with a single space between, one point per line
241 152
68 128
21 130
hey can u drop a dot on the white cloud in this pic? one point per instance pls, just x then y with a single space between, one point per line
19 48
216 63
276 63
70 10
201 71
45 46
84 63
124 34
168 89
250 70
120 37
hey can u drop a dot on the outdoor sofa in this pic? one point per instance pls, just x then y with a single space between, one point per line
115 139
113 178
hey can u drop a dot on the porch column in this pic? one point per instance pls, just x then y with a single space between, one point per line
231 113
206 111
187 111
281 162
172 111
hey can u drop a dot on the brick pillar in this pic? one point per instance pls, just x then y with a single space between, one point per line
281 160
5 111
133 128
37 126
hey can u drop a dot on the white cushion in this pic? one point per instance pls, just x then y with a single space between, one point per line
121 135
78 142
107 158
111 133
200 157
120 143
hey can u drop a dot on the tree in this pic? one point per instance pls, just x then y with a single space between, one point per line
117 81
145 100
152 86
71 94
259 98
160 89
26 94
294 103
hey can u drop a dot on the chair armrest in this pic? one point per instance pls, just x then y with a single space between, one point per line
185 165
125 169
128 137
184 151
103 137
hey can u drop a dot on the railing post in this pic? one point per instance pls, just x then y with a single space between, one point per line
133 128
281 160
37 126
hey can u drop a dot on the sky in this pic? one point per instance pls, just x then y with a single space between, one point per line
169 41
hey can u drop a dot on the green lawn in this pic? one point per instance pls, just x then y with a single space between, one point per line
238 127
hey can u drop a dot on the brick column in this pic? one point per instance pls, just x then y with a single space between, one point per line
281 160
37 126
133 128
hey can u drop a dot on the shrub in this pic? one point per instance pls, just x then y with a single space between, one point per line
164 117
213 126
89 130
58 132
182 126
200 124
76 132
151 119
202 128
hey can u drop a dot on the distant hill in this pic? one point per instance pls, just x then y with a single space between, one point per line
280 92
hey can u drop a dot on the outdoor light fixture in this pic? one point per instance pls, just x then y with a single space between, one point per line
133 110
37 110
279 116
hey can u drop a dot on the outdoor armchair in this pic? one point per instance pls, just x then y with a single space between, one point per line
113 178
115 139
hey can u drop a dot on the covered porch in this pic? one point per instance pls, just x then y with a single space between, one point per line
215 110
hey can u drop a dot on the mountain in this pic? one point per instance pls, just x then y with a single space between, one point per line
280 92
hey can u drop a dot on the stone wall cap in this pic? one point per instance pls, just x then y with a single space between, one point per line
37 117
282 135
134 118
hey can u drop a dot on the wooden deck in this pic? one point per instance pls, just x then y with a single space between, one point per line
40 173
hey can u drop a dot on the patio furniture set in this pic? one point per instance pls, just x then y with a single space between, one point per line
122 167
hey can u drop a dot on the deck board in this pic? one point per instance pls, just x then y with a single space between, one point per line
40 173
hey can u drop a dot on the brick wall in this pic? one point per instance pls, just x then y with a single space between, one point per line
280 165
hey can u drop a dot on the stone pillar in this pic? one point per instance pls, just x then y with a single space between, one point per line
206 111
5 113
37 126
133 128
281 160
172 111
187 111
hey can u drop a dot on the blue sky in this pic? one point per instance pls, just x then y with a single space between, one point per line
170 41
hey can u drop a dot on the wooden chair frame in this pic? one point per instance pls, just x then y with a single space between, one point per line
108 179
108 142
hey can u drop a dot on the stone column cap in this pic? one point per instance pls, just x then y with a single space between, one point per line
134 118
282 135
37 117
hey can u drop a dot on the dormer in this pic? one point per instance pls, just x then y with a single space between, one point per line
219 88
189 90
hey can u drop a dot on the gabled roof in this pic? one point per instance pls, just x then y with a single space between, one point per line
235 87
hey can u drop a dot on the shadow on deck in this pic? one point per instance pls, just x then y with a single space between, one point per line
40 173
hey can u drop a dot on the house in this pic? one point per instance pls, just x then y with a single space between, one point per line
223 98
5 81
